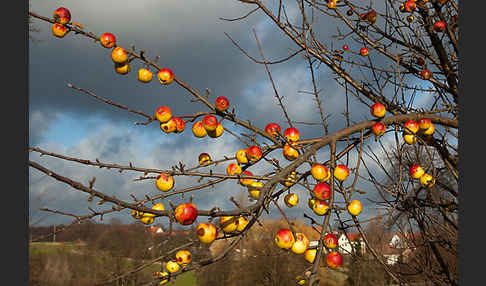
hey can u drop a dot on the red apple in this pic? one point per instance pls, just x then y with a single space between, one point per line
410 6
165 76
345 47
331 4
272 129
322 191
425 74
59 30
119 55
284 238
439 26
185 213
292 134
222 103
378 129
198 129
371 16
206 232
341 172
330 241
62 15
233 169
107 40
320 172
163 114
411 127
179 123
378 110
254 153
334 260
416 171
210 122
364 51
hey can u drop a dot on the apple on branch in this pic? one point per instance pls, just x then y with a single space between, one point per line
107 40
185 213
284 238
165 76
320 172
198 129
206 232
62 15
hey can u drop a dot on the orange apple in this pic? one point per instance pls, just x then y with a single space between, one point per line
291 200
322 191
378 110
210 122
164 182
301 243
371 16
254 153
180 124
242 156
289 152
427 180
284 238
218 132
410 6
330 241
185 213
204 159
410 127
169 126
233 169
292 134
226 225
107 40
320 172
320 207
416 171
246 182
198 129
439 26
310 255
425 74
430 130
147 219
341 172
59 30
424 123
206 232
242 223
273 129
136 214
145 75
334 260
119 55
222 103
183 257
378 129
311 203
332 4
163 114
355 207
172 266
252 189
62 15
156 207
123 68
165 76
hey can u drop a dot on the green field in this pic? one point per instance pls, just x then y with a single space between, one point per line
70 264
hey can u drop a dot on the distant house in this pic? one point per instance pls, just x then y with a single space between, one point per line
350 242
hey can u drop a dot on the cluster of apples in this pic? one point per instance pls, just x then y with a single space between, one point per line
209 125
417 172
147 218
299 244
168 122
410 6
411 128
62 16
182 259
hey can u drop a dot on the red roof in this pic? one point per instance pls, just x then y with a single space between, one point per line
352 236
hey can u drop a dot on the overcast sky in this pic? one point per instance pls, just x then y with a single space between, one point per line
189 38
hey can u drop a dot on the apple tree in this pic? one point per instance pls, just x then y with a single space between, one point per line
393 155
